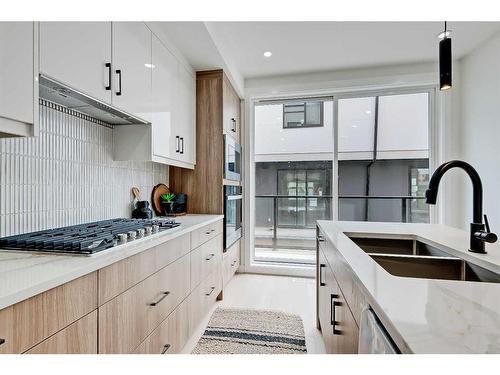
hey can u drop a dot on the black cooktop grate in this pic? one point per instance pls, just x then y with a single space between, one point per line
81 239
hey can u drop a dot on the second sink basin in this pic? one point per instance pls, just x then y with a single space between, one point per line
396 246
413 258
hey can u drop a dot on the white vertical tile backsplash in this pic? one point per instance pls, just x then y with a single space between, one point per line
67 175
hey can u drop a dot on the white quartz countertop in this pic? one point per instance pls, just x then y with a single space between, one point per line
24 275
423 315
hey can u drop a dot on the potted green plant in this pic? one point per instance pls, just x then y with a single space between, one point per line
167 202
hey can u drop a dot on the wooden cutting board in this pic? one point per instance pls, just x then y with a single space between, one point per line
156 194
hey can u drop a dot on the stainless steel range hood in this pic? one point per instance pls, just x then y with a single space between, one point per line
57 92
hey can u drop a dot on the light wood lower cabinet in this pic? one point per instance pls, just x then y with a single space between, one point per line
29 322
231 262
120 276
202 235
205 260
148 303
203 297
170 336
79 337
125 321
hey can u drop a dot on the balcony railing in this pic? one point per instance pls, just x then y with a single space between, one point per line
306 209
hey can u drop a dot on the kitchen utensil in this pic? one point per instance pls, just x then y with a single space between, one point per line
142 211
136 193
156 194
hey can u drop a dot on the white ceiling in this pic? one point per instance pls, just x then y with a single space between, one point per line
304 47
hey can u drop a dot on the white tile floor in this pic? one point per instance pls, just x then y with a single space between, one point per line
289 294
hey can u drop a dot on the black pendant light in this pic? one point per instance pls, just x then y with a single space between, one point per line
445 60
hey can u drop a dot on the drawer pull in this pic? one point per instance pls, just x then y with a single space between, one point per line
210 257
165 348
212 230
2 341
211 291
334 304
208 232
232 264
164 295
321 282
321 238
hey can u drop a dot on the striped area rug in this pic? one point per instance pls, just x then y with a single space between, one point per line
243 331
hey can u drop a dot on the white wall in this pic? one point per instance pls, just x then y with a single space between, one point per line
274 143
480 126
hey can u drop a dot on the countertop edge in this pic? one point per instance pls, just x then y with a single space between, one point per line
101 260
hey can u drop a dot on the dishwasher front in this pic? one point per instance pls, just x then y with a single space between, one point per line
373 338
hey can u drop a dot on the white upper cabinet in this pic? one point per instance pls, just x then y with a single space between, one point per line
132 68
171 137
185 115
18 79
164 82
78 54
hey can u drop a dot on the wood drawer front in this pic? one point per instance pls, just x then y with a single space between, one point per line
78 338
172 250
120 276
231 263
202 298
204 260
202 235
125 321
29 322
170 336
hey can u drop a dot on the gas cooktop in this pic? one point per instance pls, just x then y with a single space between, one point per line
87 238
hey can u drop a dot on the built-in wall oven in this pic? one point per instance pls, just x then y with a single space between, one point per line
232 159
233 204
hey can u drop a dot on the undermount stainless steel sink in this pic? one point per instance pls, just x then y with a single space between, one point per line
396 246
412 258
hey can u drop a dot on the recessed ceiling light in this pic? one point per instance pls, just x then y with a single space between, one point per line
150 66
268 54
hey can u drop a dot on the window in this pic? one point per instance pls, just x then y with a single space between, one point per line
302 115
383 158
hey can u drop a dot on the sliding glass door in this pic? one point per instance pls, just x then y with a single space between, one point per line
383 157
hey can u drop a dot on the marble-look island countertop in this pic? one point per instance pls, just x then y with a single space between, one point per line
423 315
24 274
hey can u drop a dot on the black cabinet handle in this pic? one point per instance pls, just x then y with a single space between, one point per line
108 65
119 72
164 295
165 348
320 238
176 143
210 257
2 341
334 304
182 145
211 291
321 283
233 128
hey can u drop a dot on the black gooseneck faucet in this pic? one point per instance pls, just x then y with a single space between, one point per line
479 232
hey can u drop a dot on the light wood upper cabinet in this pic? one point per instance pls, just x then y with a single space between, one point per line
18 84
76 54
132 68
232 109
